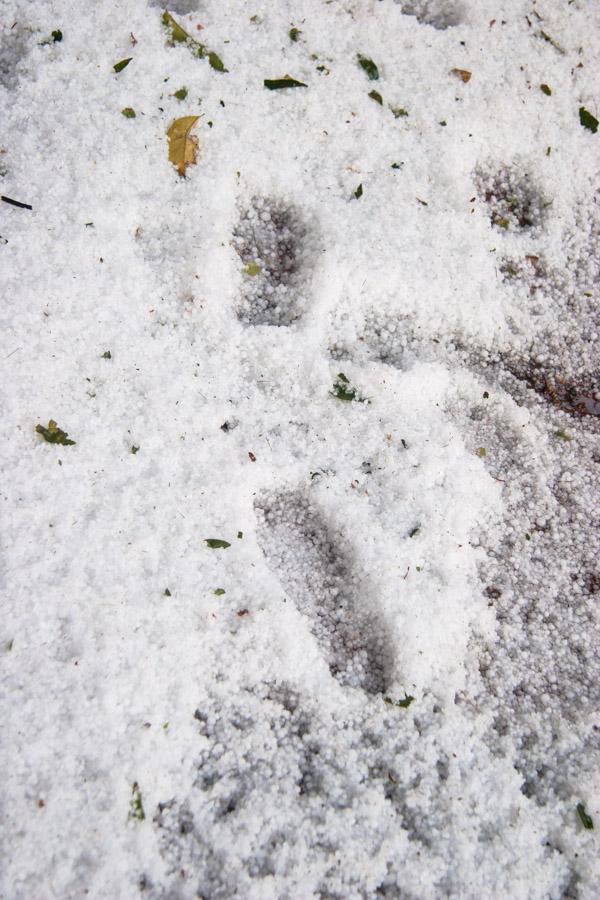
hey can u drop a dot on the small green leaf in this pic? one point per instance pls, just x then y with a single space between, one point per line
251 268
217 544
136 807
376 96
178 35
546 89
486 395
277 84
53 434
588 120
57 36
400 112
396 166
414 531
481 451
502 223
128 112
548 151
107 355
403 704
133 449
294 34
218 592
369 67
118 67
584 817
358 192
565 436
167 592
341 391
181 94
216 62
240 535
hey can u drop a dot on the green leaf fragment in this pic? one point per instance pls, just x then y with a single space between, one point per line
136 807
217 544
216 62
375 95
546 89
128 112
341 391
57 36
414 531
133 449
358 192
251 268
240 535
294 34
584 817
107 355
550 40
218 592
277 84
178 34
502 223
167 592
118 67
396 166
588 120
563 435
181 94
403 704
399 112
481 451
368 66
53 434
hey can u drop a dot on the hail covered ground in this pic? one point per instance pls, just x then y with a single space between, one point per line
301 456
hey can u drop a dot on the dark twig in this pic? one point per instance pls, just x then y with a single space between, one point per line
16 203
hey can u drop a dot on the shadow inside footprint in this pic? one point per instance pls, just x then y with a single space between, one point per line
14 45
323 584
440 14
270 239
513 199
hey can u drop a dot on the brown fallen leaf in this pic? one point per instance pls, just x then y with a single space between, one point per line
183 147
463 74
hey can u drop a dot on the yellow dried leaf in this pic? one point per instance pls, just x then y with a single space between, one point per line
463 74
183 147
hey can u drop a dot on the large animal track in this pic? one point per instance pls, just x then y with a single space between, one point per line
271 240
317 571
541 569
272 748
